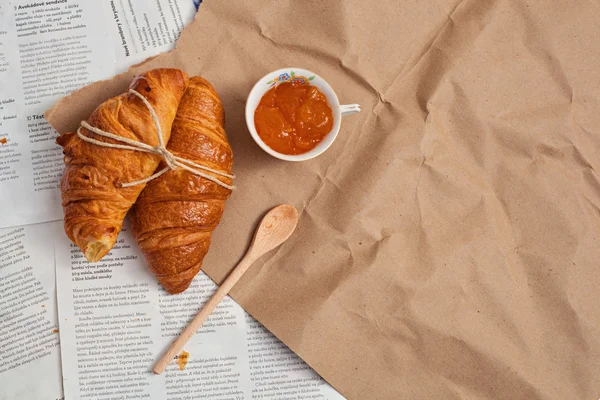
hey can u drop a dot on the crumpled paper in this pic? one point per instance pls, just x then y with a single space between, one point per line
449 240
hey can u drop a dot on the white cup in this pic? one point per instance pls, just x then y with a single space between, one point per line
288 75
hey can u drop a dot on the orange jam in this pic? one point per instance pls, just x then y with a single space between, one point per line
293 117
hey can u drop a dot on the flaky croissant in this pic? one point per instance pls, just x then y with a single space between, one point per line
175 215
93 200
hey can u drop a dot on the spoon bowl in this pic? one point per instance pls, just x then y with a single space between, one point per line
274 229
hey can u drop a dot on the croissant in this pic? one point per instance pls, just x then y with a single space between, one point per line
94 203
175 215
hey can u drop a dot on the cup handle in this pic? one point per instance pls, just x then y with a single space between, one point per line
349 109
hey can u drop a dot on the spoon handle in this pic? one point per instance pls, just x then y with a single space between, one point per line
208 308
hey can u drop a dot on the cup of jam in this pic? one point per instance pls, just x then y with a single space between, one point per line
294 114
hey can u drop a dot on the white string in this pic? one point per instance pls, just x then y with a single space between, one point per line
173 161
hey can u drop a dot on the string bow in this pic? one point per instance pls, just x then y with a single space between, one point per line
173 162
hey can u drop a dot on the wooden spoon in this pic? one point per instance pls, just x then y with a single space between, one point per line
274 229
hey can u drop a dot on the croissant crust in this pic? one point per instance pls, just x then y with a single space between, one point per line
93 201
175 215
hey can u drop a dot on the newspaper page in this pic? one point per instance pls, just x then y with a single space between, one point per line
47 50
116 321
29 349
143 28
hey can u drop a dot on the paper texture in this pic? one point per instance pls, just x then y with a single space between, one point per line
28 324
47 50
116 321
448 242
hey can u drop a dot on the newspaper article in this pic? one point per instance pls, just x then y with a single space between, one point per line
116 321
47 50
143 28
29 347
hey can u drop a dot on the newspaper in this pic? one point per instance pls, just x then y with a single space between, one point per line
116 321
142 29
47 50
28 323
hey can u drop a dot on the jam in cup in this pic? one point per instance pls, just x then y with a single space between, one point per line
294 115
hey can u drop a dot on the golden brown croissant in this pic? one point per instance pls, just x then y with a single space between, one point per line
175 215
94 202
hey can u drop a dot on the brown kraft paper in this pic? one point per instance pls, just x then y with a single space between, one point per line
449 240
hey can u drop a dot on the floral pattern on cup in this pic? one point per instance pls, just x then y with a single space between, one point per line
291 77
